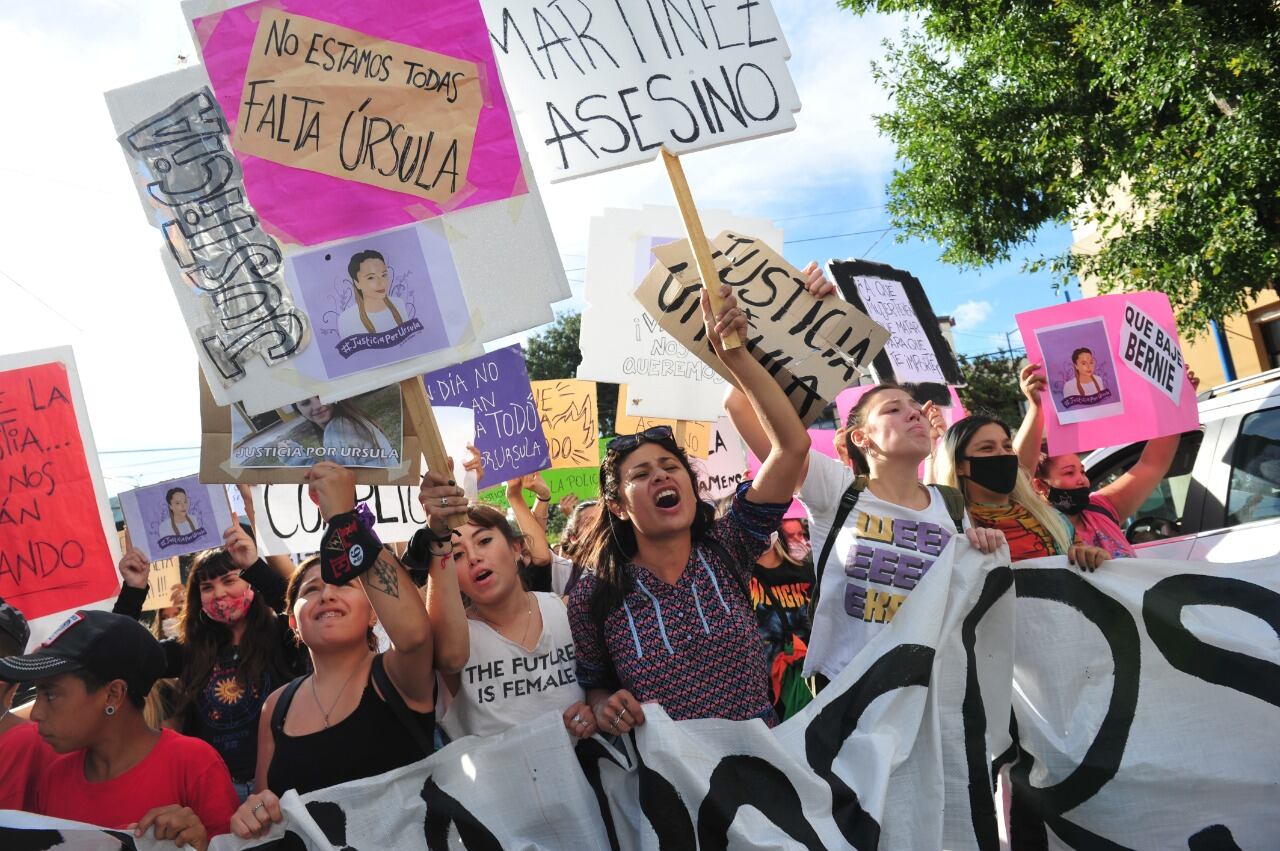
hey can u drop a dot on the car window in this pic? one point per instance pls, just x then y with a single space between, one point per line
1254 492
1169 499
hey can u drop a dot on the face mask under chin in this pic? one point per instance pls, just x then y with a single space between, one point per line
1069 500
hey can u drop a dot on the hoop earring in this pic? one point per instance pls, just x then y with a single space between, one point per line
110 710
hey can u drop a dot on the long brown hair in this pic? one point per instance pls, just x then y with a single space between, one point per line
203 639
610 543
353 268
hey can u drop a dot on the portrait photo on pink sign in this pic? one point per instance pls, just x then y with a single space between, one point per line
306 207
379 299
1080 368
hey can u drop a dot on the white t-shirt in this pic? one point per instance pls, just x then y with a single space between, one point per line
561 567
504 685
383 320
880 554
1074 388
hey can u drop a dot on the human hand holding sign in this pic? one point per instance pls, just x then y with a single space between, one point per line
134 569
176 823
730 319
333 487
1032 381
618 713
256 815
238 544
816 283
441 498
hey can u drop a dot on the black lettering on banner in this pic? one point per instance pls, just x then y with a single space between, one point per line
1101 760
590 752
443 810
332 821
904 666
1213 838
1162 607
750 781
663 807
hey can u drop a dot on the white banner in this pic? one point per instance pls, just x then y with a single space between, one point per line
1145 698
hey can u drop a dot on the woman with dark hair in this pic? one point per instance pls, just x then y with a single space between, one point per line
375 309
179 521
506 636
231 650
359 712
978 458
1085 382
347 433
662 613
868 512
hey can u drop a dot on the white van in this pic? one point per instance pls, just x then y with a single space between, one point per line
1220 501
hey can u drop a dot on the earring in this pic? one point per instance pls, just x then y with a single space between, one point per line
110 710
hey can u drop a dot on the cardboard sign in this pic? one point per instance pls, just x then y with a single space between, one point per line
693 436
1115 370
58 547
620 341
378 115
508 427
236 286
813 348
606 85
163 577
176 517
916 350
725 466
567 407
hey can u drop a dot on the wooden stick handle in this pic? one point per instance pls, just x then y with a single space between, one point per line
424 425
697 240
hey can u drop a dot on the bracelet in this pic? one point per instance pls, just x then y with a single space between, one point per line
541 499
349 547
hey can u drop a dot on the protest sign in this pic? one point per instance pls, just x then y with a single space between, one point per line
620 341
605 86
946 398
370 433
916 349
287 521
508 429
58 547
378 115
246 319
725 466
176 517
693 436
812 347
1114 369
567 407
164 575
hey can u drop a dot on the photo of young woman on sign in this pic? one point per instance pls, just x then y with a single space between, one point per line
363 431
1081 370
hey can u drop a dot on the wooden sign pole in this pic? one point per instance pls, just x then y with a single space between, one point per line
697 238
424 425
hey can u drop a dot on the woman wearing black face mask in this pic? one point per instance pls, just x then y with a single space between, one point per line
978 458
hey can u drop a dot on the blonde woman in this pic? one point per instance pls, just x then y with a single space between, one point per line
375 310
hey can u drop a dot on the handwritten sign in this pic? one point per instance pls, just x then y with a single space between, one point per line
916 349
567 407
813 348
620 341
55 551
508 426
400 102
329 99
605 85
1093 400
176 517
725 466
287 521
693 436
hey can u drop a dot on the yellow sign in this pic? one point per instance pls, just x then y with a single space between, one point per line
567 407
694 436
325 98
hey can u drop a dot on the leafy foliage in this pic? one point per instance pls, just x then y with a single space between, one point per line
554 353
992 387
1010 115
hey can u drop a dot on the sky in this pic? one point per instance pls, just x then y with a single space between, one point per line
80 266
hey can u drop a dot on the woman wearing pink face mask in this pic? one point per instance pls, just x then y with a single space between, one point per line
232 649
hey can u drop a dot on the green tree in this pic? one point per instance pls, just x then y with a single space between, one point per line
992 387
555 353
1015 114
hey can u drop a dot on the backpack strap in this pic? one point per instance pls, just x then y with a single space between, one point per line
954 501
421 731
1104 511
282 705
847 502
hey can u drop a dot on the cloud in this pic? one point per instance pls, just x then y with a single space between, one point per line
970 314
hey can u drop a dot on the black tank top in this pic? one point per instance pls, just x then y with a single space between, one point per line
370 741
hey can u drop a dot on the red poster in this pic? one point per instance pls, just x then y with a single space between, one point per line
53 550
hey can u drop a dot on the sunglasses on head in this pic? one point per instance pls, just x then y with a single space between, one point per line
627 442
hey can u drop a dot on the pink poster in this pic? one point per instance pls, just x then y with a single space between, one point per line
1114 368
823 441
304 205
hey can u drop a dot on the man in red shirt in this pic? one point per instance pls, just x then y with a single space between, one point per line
92 677
24 755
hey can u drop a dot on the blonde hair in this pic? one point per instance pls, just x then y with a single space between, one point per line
944 473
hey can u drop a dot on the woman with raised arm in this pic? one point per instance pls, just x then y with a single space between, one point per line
231 649
662 612
869 516
360 712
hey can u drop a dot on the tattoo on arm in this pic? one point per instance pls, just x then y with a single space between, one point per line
384 577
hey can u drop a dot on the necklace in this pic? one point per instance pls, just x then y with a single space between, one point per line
316 695
528 622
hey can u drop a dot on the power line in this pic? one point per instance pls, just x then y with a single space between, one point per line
840 235
831 213
46 305
129 451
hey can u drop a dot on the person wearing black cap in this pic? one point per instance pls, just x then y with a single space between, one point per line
92 677
23 753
